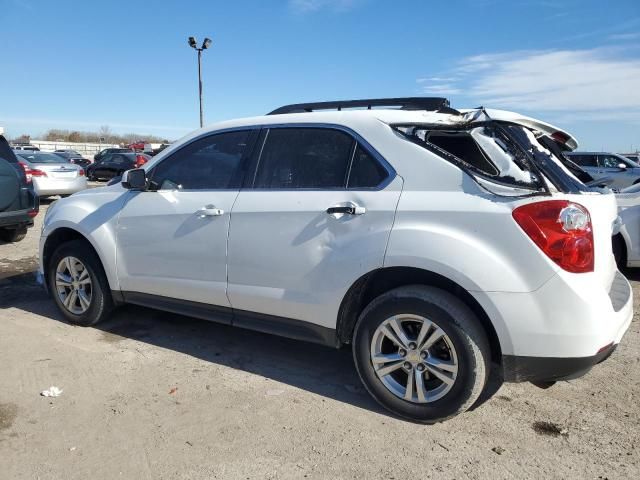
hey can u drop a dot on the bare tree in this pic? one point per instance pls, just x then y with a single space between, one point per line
105 132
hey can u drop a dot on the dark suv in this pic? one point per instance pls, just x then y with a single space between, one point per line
18 202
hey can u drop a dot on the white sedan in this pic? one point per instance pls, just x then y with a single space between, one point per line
51 174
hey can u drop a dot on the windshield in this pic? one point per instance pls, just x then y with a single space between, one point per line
39 157
497 155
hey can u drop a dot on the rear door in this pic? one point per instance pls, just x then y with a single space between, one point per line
315 218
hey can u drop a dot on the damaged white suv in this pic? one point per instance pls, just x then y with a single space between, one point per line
439 243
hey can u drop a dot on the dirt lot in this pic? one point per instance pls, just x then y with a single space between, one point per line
153 395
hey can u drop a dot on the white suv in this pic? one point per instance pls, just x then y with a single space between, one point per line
439 243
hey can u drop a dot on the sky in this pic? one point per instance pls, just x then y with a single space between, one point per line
126 64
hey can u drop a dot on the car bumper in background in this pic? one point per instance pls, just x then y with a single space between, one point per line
59 186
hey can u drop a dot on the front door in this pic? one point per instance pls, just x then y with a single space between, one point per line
172 239
316 218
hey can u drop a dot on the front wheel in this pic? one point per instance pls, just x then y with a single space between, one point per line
421 353
78 284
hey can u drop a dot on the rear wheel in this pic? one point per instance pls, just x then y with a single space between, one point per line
619 251
78 284
13 235
421 353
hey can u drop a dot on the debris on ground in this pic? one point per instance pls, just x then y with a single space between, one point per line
549 428
51 392
498 450
173 390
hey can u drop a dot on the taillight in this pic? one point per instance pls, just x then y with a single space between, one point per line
81 172
562 230
31 172
32 213
140 160
560 137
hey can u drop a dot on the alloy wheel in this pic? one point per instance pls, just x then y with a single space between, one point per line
73 285
414 358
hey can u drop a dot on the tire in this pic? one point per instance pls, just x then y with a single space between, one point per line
619 251
100 300
464 342
13 235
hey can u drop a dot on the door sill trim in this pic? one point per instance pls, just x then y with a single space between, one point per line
272 324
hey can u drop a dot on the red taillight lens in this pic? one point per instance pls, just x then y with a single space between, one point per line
140 160
81 172
31 172
32 213
562 230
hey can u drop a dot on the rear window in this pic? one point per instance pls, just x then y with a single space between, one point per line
39 157
497 155
486 151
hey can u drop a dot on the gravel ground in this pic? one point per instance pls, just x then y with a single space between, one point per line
152 395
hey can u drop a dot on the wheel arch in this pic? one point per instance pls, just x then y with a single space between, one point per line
63 235
377 282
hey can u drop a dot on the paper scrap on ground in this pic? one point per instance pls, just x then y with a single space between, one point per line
52 392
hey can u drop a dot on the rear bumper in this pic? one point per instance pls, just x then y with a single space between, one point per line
58 186
16 219
549 369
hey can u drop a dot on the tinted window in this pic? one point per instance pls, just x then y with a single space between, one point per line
585 160
366 171
304 158
609 161
209 163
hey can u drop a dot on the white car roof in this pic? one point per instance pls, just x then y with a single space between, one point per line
353 118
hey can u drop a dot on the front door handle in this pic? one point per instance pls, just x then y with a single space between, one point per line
349 209
210 211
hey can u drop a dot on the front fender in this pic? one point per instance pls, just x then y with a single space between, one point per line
95 217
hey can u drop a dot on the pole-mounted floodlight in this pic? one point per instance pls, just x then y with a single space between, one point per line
193 43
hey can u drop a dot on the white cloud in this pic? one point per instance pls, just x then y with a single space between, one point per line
625 36
596 80
309 6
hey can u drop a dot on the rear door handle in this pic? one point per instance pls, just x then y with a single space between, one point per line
210 211
349 209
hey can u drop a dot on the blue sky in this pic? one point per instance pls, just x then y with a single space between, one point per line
126 64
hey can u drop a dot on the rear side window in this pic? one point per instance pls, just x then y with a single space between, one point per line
585 160
463 146
304 158
211 163
366 171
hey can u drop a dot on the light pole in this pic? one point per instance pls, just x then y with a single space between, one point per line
205 44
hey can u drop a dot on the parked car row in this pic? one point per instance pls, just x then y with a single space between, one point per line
438 243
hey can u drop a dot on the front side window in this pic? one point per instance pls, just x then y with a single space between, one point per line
610 161
304 158
211 163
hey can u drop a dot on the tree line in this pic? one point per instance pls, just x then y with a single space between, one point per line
105 133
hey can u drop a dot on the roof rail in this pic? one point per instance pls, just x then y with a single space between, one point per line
405 103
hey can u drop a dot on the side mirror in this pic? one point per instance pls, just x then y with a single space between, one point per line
135 179
622 166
